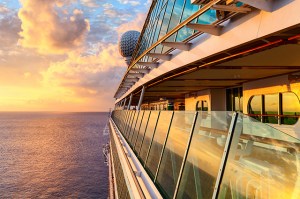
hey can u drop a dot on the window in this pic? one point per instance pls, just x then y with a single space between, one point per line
234 99
255 107
290 108
280 108
202 105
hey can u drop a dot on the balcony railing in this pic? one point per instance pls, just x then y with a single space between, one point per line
212 154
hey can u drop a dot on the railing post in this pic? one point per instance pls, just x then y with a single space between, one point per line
144 133
141 98
163 148
124 105
185 155
230 143
130 100
152 138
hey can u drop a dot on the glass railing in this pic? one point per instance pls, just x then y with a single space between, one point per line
212 154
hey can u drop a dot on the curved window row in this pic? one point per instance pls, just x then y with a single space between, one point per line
164 17
279 108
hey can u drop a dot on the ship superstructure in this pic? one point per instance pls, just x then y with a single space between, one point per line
209 105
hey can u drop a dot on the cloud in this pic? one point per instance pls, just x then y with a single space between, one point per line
90 72
91 3
9 26
46 28
3 9
136 24
131 2
86 67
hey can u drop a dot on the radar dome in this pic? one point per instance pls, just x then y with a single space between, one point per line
128 43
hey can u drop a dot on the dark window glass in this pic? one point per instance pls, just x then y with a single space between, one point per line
234 99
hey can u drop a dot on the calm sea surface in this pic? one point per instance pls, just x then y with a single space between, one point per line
52 155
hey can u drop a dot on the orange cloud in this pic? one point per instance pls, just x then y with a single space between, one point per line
46 28
69 82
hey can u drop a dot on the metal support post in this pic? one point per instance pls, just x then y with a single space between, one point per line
231 144
141 98
184 159
124 105
130 100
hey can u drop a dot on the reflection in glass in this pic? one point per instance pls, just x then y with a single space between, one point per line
208 17
141 134
132 127
271 108
259 167
137 127
158 141
255 106
149 134
290 107
174 151
204 156
130 123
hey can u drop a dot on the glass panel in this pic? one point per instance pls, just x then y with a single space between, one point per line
149 134
141 133
132 127
184 33
204 156
167 17
158 141
208 17
290 107
130 122
173 154
241 99
271 108
255 106
130 114
261 166
137 127
204 105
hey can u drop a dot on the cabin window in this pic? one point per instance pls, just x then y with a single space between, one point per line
202 105
290 108
280 108
234 99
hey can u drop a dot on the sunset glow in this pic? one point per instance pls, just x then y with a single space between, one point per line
63 55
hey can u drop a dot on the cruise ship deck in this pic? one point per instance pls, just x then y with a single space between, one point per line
209 104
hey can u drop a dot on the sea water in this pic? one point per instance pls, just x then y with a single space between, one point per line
52 155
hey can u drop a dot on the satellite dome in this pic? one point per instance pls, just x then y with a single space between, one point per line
128 43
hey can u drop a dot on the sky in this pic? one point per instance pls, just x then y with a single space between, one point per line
62 55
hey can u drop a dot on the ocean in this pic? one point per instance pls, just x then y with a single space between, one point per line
52 155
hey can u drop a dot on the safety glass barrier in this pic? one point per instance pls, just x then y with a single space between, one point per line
262 162
173 154
141 133
204 156
148 135
158 142
212 154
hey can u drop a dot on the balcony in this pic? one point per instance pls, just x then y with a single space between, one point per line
211 154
